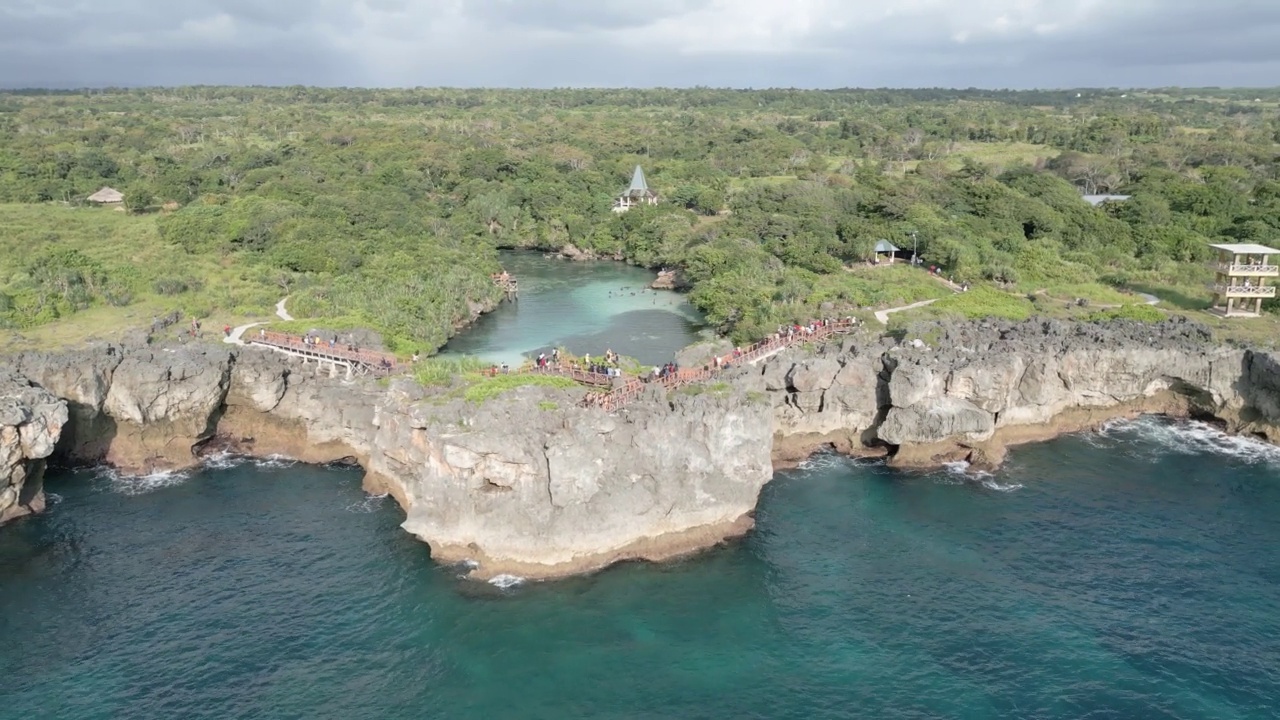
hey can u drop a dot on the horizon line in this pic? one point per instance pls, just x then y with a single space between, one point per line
71 87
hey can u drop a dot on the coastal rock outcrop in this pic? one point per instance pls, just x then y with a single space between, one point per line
138 408
531 484
976 388
31 420
527 483
539 493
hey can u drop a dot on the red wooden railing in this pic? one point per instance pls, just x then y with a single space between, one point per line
814 331
372 360
630 389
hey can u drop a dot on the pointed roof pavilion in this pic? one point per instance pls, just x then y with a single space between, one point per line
639 187
638 184
638 193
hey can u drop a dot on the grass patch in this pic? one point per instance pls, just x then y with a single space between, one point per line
441 372
488 388
1183 297
1141 313
715 388
548 405
1094 293
73 274
879 286
984 301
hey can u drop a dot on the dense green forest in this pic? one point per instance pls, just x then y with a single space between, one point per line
385 207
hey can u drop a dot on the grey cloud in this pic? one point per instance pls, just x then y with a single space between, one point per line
581 43
571 15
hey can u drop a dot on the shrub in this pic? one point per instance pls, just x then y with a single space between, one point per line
488 388
442 371
1141 313
170 286
983 301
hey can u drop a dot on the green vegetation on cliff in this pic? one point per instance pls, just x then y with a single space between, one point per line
384 207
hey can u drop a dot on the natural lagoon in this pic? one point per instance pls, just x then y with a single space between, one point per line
583 307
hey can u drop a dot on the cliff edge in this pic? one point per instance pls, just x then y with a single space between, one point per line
531 484
31 420
948 391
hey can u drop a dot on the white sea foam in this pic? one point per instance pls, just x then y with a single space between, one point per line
51 499
223 461
1194 438
275 461
822 461
506 581
961 472
964 469
141 484
993 485
369 504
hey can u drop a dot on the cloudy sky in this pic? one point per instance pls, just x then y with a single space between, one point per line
641 43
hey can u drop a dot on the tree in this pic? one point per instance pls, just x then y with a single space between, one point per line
137 198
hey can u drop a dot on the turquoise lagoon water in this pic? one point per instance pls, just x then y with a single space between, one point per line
584 307
1131 574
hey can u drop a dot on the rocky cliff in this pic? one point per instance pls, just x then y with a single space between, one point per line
530 484
967 391
31 420
525 484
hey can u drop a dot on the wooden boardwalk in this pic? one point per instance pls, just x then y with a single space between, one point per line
631 388
336 356
610 391
506 282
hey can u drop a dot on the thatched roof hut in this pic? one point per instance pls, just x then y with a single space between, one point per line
107 196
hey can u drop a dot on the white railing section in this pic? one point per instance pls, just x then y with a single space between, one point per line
1243 269
1245 290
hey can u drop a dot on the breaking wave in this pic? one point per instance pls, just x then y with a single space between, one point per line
140 484
1188 437
990 484
822 461
275 461
226 460
506 581
370 503
223 461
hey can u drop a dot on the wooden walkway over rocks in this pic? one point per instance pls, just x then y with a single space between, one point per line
610 392
626 389
331 355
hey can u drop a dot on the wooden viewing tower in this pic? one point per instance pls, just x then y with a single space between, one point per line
637 194
1240 284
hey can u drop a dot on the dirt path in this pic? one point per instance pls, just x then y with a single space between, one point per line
237 333
883 315
280 311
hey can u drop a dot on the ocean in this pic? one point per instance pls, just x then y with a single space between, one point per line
1126 574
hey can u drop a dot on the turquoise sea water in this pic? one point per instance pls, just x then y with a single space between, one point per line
585 307
1132 574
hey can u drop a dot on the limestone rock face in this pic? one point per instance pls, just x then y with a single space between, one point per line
531 484
82 378
984 385
539 493
163 402
513 486
827 399
258 380
31 420
1260 388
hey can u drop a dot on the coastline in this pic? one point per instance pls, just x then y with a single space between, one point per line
511 488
